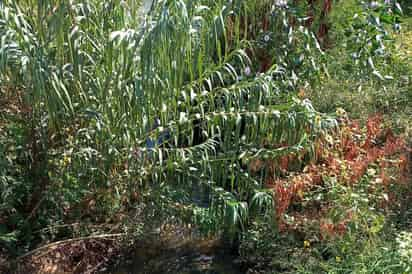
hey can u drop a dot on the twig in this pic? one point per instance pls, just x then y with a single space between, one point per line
51 245
95 268
34 210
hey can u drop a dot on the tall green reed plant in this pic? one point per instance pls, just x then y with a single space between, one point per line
168 101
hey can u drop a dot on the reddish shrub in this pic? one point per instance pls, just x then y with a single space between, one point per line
347 158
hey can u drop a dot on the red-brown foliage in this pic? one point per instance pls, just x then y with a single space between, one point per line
347 158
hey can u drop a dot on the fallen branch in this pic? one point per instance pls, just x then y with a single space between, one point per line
67 241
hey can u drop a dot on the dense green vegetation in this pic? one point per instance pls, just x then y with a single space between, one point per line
283 126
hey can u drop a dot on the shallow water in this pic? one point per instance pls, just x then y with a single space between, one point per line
180 252
194 263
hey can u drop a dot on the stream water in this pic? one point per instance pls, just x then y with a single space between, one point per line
181 256
190 263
